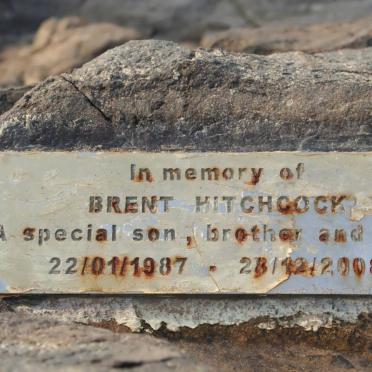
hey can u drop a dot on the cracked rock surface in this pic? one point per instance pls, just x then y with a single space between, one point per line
156 95
31 343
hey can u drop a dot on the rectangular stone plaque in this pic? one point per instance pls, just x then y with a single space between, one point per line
128 222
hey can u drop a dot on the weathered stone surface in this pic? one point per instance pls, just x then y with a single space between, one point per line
60 46
310 39
273 332
137 313
156 95
9 96
30 343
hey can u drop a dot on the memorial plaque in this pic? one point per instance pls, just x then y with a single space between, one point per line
132 222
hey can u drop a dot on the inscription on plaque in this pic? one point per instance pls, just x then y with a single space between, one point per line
128 222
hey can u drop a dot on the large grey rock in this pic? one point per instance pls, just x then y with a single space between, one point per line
60 46
29 343
311 39
9 96
155 95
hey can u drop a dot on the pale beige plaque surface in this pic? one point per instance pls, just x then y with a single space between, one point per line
127 222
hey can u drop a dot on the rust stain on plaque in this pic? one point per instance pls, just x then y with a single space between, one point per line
178 223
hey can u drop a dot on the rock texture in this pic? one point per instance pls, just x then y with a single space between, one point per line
60 46
155 95
310 39
30 343
9 96
174 314
38 342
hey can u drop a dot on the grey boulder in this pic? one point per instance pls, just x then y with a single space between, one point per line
156 95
